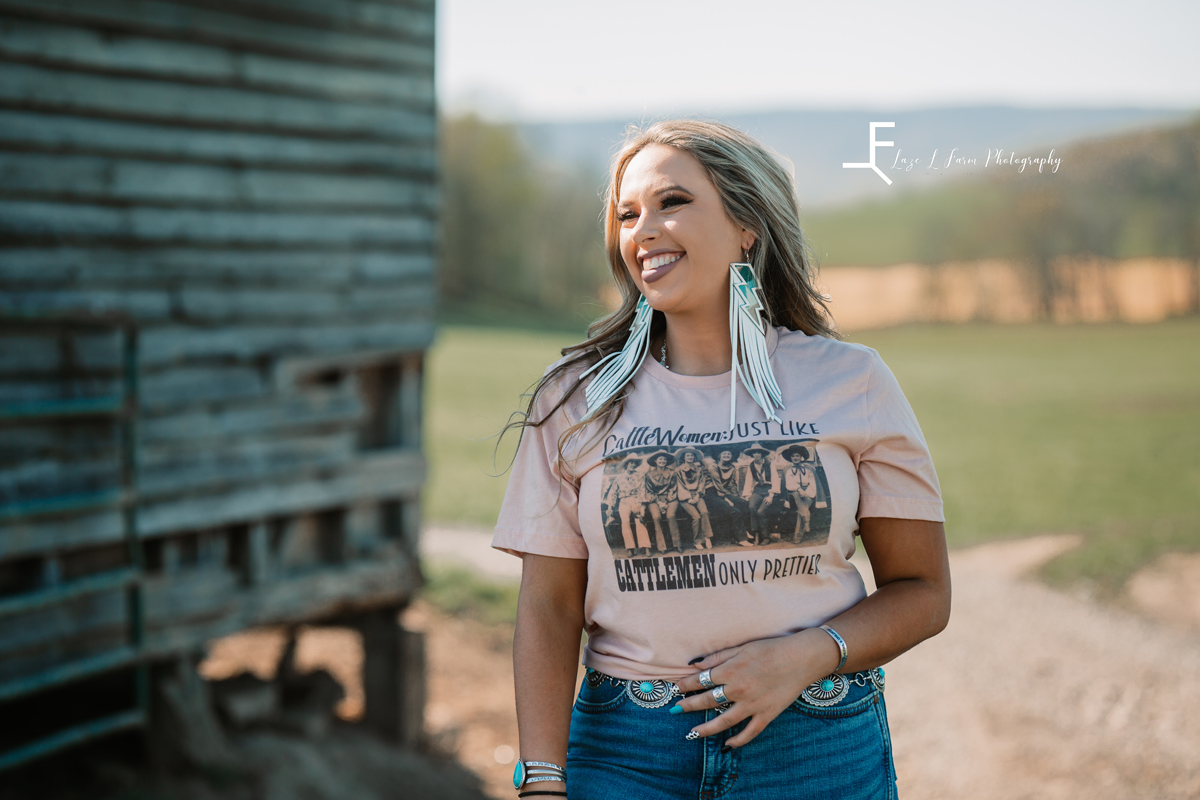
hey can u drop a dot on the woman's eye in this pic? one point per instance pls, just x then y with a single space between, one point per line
626 216
675 200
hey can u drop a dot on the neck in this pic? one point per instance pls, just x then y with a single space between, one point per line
698 344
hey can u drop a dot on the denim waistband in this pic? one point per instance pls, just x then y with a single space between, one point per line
656 693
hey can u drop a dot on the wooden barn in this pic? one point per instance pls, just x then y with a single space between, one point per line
217 253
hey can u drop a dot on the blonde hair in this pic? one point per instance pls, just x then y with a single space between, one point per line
758 194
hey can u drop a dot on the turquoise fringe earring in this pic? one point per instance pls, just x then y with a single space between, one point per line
620 366
748 334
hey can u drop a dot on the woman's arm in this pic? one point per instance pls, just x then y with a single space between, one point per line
546 656
911 604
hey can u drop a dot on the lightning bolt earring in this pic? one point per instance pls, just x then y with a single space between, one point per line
615 369
748 335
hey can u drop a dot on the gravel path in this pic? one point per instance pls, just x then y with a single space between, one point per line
1029 693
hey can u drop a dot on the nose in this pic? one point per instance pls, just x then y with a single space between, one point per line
645 229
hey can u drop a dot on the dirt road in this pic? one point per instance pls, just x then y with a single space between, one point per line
1029 693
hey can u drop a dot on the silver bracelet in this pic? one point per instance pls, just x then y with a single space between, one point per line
536 772
841 643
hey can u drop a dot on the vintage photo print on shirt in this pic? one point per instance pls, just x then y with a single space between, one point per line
715 497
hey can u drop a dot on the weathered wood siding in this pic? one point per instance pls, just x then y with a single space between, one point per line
252 186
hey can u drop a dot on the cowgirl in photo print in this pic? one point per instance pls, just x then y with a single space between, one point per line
690 485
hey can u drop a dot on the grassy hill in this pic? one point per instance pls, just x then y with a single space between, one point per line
1135 194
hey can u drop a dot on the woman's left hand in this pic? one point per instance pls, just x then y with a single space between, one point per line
761 679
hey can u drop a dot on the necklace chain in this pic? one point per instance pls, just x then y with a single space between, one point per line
663 358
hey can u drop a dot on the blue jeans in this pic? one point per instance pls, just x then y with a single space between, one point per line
619 750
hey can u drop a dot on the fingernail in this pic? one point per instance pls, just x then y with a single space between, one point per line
725 748
676 709
692 736
696 660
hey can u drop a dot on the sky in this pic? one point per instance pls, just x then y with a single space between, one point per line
559 60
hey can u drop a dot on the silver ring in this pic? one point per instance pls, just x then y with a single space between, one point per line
706 679
718 694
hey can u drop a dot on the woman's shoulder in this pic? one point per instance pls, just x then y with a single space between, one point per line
825 349
561 379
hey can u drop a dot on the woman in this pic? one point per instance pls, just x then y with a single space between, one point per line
691 479
747 674
626 502
661 499
725 496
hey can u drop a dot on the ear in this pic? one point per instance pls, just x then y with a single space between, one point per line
748 239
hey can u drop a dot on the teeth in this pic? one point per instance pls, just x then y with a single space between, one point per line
660 261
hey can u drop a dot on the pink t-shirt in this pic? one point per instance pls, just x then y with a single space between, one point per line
700 538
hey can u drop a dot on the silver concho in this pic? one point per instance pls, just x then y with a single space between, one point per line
877 678
650 693
828 691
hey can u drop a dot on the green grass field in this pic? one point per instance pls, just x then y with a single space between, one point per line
1033 428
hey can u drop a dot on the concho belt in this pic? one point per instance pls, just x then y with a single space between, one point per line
656 693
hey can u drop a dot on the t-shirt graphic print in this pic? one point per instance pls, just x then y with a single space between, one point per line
715 497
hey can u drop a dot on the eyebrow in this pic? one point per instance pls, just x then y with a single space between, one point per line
674 187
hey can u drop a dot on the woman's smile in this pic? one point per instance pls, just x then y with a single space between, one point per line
656 266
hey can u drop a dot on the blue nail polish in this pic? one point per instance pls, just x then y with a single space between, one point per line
696 660
676 709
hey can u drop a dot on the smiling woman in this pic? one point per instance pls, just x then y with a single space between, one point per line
695 512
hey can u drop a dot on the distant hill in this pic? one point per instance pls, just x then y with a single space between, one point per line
1127 195
818 142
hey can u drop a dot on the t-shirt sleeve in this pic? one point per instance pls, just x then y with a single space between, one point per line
896 477
540 513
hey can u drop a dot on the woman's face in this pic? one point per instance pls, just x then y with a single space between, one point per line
689 458
676 239
660 462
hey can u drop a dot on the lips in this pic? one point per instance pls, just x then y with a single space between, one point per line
656 266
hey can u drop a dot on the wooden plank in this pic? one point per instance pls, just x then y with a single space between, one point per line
169 267
24 537
217 106
289 415
44 390
261 305
299 371
185 608
73 222
175 343
378 475
49 439
72 736
412 20
185 386
58 132
57 475
147 305
175 21
29 354
87 49
109 179
230 464
325 594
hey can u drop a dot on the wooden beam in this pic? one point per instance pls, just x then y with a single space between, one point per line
175 21
138 98
88 49
31 130
99 178
161 268
71 222
174 344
